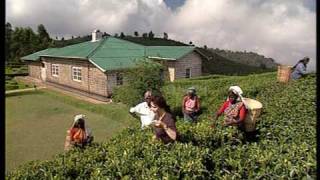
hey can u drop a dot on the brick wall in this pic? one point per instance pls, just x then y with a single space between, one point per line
93 79
34 69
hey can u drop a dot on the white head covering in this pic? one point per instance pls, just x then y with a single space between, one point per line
192 90
238 91
79 116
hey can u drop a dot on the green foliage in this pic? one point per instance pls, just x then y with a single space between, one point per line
283 148
12 84
151 35
145 76
228 65
23 41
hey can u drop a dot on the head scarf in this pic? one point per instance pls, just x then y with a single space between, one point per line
79 116
192 90
238 91
76 119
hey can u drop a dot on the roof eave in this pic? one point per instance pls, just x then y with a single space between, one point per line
103 70
154 57
72 57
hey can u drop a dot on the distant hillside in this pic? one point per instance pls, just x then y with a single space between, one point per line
217 64
62 43
248 58
154 41
146 41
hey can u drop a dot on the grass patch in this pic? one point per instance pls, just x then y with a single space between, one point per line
36 124
12 84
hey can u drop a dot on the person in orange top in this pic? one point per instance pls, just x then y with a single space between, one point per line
233 108
191 105
78 135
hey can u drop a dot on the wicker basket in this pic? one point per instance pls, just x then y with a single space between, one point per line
254 110
284 73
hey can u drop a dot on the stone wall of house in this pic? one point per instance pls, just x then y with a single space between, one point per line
177 69
112 80
93 80
34 69
192 61
98 81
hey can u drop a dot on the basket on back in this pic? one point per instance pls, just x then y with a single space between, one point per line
284 73
254 109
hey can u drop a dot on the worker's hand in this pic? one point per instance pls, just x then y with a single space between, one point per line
131 110
159 124
227 123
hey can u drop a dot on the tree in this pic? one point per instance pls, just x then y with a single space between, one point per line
136 33
8 36
165 35
205 47
151 35
190 43
116 35
145 35
43 37
122 35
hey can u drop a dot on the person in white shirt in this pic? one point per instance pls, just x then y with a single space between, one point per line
143 110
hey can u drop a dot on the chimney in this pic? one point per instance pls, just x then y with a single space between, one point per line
96 35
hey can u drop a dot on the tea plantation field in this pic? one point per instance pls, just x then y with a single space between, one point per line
284 146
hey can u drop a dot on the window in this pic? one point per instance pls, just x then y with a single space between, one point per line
55 69
76 73
188 73
119 79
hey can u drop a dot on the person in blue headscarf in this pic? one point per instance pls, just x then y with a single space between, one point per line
300 69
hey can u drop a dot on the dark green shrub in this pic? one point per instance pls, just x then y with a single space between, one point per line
145 76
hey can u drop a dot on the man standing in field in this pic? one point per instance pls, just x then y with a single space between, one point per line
143 110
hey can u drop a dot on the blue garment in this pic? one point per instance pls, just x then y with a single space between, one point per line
299 71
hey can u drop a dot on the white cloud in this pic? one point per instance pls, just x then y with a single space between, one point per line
284 30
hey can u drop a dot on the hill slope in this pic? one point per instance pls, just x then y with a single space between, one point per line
217 64
248 58
285 146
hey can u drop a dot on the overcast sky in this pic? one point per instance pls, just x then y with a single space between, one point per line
284 30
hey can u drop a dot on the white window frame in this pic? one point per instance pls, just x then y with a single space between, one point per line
189 72
117 80
55 70
76 73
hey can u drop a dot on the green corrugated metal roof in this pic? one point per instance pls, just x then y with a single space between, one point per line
117 54
170 52
35 56
112 53
81 50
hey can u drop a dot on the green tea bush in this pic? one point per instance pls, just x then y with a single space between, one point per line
145 76
283 147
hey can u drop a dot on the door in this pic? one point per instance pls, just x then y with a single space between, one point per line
43 74
171 73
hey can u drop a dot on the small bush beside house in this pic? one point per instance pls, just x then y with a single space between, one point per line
147 75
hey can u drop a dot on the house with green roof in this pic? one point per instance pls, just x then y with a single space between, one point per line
95 67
